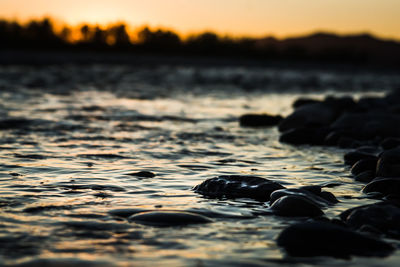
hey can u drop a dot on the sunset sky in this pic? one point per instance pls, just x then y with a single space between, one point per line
236 17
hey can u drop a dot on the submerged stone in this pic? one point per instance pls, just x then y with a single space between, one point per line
143 174
317 238
168 218
238 186
259 120
295 206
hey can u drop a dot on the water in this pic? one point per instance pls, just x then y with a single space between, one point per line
64 187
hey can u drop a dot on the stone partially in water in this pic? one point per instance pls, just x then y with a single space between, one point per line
389 163
304 135
327 239
168 218
383 216
314 193
143 174
259 120
385 186
365 177
238 186
368 164
295 206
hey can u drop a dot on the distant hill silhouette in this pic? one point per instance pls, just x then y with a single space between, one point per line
39 35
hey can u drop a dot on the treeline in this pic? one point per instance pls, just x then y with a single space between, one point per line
42 35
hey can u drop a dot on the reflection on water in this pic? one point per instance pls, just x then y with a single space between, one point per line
70 136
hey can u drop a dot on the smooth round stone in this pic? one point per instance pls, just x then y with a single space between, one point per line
389 163
295 206
385 186
365 177
238 186
317 238
383 216
168 218
259 120
313 193
364 165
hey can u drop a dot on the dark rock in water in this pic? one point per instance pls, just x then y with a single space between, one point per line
390 143
144 174
363 165
313 115
328 239
389 163
365 176
14 123
385 186
352 157
318 114
238 186
259 120
368 125
304 101
313 193
302 136
296 206
383 216
168 218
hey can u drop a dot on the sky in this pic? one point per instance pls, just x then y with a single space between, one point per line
256 18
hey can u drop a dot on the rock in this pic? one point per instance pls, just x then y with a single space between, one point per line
385 186
259 120
143 174
312 115
365 177
352 157
296 206
368 164
317 238
168 218
303 135
383 216
238 186
389 163
322 199
304 101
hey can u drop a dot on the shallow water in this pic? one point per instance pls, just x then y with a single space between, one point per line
64 190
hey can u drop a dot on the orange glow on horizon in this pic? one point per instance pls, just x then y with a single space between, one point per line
254 18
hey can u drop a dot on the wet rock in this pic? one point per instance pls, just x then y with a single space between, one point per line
295 206
259 120
143 174
389 163
352 157
314 193
313 115
365 177
168 218
304 101
238 186
303 135
14 123
328 239
363 165
385 186
383 216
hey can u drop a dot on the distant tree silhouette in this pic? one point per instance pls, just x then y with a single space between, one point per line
319 47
